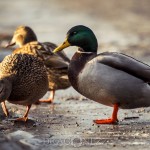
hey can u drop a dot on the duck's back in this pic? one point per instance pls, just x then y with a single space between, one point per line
56 64
44 52
28 76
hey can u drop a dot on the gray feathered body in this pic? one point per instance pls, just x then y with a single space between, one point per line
112 78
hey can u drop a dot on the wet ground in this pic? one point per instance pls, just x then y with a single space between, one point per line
122 26
69 126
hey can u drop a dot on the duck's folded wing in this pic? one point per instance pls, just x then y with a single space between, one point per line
125 63
49 47
50 59
55 61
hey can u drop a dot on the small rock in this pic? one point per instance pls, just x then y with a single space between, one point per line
77 124
9 144
20 135
24 138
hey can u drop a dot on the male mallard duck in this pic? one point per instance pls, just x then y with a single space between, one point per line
23 80
56 64
112 79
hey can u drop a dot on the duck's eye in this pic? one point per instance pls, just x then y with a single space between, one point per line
73 33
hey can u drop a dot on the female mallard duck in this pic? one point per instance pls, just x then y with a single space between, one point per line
23 80
112 79
56 64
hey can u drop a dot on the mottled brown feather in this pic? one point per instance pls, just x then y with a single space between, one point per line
56 64
56 67
28 78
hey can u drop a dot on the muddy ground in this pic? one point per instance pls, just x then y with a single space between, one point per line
122 26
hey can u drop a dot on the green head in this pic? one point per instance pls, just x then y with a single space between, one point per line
22 36
82 37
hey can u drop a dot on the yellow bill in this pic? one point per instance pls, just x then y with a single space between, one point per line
62 46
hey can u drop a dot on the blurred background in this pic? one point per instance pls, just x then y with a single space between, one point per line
122 26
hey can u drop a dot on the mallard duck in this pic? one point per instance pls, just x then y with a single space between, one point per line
110 78
56 64
23 80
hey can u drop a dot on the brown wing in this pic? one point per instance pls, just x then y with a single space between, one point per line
44 52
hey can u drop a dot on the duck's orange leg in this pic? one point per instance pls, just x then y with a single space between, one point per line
111 120
50 99
25 117
5 110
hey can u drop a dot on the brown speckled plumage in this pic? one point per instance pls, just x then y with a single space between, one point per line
56 64
23 80
28 78
57 69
